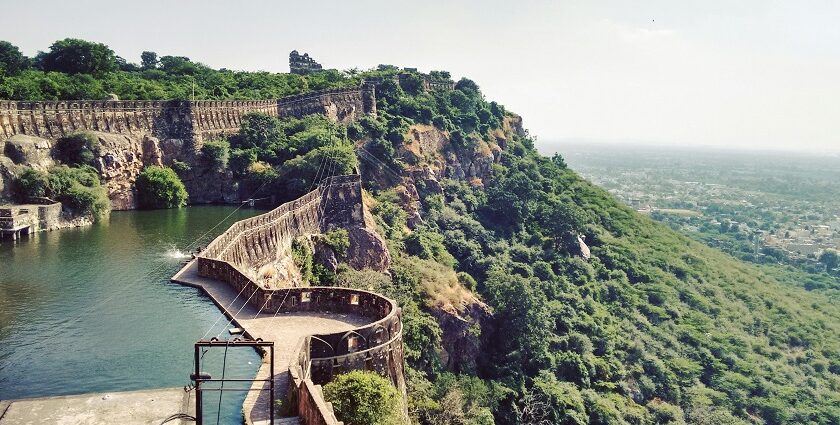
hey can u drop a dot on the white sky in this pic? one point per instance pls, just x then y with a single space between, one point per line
754 74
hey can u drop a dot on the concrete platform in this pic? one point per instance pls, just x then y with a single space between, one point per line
145 407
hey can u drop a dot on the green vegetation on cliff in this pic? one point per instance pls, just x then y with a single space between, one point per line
653 328
364 398
160 187
506 320
78 189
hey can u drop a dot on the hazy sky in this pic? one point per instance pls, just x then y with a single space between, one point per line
725 73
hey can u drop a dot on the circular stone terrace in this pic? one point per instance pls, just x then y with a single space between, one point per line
318 332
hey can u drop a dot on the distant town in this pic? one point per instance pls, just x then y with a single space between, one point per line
765 208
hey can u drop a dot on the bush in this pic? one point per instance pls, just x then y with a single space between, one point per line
338 240
302 255
181 167
78 189
75 149
30 184
160 187
241 159
364 398
216 152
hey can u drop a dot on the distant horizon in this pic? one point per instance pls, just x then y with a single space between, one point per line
546 146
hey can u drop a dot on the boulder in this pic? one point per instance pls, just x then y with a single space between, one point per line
30 151
152 153
8 171
367 250
325 256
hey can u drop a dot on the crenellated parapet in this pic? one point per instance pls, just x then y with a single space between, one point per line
52 120
340 105
189 120
254 242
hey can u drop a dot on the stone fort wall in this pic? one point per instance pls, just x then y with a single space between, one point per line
192 121
248 244
254 242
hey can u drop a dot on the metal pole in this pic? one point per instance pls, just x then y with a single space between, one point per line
199 416
271 383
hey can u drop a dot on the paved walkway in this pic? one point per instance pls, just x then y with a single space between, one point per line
285 329
144 407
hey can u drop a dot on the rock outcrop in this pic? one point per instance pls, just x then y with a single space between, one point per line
367 250
119 163
461 337
31 151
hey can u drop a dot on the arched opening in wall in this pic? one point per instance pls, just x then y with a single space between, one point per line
354 299
305 297
318 348
352 342
380 336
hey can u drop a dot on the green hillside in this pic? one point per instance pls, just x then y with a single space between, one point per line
654 328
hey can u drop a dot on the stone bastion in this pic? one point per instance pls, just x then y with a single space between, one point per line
251 243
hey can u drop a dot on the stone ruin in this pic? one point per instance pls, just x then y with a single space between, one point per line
302 64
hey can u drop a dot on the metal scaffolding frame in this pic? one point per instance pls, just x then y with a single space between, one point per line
200 377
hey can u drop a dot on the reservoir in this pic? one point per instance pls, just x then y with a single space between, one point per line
92 309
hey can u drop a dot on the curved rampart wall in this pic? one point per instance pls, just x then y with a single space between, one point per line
376 346
173 119
254 242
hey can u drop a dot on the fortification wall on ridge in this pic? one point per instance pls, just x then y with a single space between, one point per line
192 121
341 105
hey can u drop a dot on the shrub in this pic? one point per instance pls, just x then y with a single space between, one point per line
338 240
241 159
78 189
258 130
75 149
364 398
302 256
31 183
160 187
181 167
216 152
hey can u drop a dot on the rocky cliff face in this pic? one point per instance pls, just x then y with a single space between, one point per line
121 159
432 156
461 338
18 152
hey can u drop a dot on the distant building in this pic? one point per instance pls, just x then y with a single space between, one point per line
302 64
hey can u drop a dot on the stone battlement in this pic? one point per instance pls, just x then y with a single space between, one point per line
188 120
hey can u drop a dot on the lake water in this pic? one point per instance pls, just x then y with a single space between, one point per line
92 309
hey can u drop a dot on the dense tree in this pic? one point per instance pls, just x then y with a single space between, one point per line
830 258
160 187
364 398
148 60
12 61
76 149
74 56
